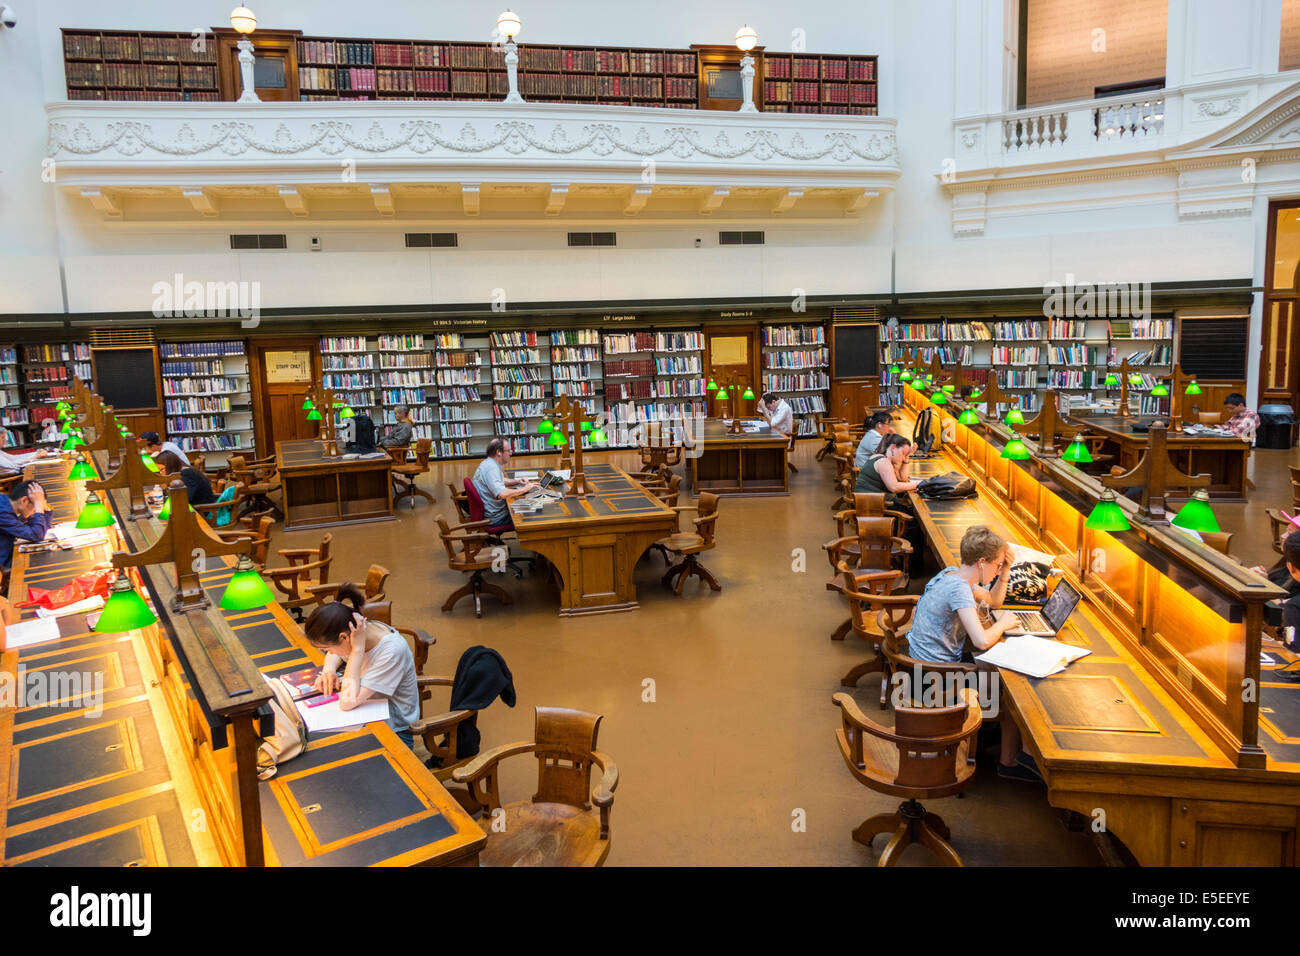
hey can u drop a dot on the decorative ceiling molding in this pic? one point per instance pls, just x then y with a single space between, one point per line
555 201
202 201
382 197
102 202
636 202
294 201
469 197
713 200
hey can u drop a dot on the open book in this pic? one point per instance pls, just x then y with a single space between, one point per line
1034 656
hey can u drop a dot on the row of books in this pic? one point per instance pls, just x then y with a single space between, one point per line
339 381
575 337
457 359
223 442
629 368
807 404
1018 378
519 410
169 350
400 360
56 353
192 368
631 412
199 386
1001 355
47 373
156 75
148 96
520 356
190 406
678 365
143 47
1067 328
826 68
574 388
517 392
679 341
584 353
346 362
402 396
796 358
1144 329
1071 355
782 336
810 382
458 376
517 373
622 343
207 423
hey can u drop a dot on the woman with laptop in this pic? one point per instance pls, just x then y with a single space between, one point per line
949 600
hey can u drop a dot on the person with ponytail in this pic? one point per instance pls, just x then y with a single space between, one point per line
379 661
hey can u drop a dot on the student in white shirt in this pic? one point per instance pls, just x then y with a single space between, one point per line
155 445
18 462
779 415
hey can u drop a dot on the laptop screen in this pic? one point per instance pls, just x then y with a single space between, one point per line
1060 605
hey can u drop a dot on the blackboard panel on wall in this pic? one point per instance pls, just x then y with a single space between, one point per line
127 378
1214 348
857 350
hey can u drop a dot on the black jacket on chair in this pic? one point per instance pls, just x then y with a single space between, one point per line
481 677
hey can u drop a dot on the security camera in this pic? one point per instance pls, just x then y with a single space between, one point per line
697 243
8 17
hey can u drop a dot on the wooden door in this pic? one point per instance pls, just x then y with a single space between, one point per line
850 400
733 350
720 77
281 371
275 64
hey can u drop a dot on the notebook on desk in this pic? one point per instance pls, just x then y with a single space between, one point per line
1032 656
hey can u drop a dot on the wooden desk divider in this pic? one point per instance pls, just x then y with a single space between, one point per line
132 475
1154 473
1191 616
568 418
1124 373
1047 425
108 437
323 398
1178 382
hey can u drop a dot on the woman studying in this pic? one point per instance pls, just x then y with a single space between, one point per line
196 483
379 661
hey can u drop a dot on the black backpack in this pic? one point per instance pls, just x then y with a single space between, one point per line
949 485
363 440
923 431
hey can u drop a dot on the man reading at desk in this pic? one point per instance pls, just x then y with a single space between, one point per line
494 487
1238 418
779 415
23 515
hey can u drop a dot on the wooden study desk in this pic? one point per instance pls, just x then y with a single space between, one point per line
750 463
595 542
1159 727
320 491
181 707
1224 459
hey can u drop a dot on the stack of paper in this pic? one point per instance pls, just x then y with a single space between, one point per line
30 632
331 717
1034 656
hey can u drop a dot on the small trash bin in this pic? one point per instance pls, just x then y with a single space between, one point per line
1275 426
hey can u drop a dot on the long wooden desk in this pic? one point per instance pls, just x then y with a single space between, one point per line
1224 459
595 542
320 491
154 780
750 463
1159 727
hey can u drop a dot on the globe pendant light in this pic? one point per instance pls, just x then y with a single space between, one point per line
1112 380
246 589
1159 391
968 417
81 471
1197 515
1107 514
124 610
1192 388
95 514
1077 453
1015 450
545 427
1014 417
749 393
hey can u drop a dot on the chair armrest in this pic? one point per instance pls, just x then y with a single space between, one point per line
904 546
603 795
471 524
484 762
295 571
434 681
441 724
297 552
686 507
422 637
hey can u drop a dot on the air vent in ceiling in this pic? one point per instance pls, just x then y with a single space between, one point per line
430 240
120 338
740 238
254 241
591 239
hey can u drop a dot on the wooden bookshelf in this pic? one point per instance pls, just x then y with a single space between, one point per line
465 418
819 83
130 65
406 378
207 397
521 376
796 366
348 368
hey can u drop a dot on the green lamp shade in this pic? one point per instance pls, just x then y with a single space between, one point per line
975 393
1160 391
906 376
749 393
1135 379
1192 389
73 442
313 416
338 403
586 426
95 514
598 436
556 438
968 417
545 428
347 412
950 389
894 369
246 589
63 406
1015 417
166 511
148 462
722 394
124 610
1197 515
712 386
1077 452
1015 450
939 398
1107 514
81 471
307 405
1112 380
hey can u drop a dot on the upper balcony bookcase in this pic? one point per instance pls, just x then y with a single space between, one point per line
123 65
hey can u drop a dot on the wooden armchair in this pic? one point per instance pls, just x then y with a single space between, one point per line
874 547
404 474
669 494
876 613
260 480
475 555
261 538
399 453
690 544
928 754
232 509
566 823
846 476
1278 526
826 430
1209 418
294 582
461 502
373 589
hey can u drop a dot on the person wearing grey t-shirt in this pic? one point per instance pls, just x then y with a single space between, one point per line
380 665
948 613
401 433
494 487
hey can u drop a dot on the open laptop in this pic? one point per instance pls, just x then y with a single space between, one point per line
550 485
1049 621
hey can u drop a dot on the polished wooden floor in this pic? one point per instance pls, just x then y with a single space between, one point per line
740 736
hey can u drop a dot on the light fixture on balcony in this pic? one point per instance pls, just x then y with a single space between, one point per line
242 19
508 26
746 40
